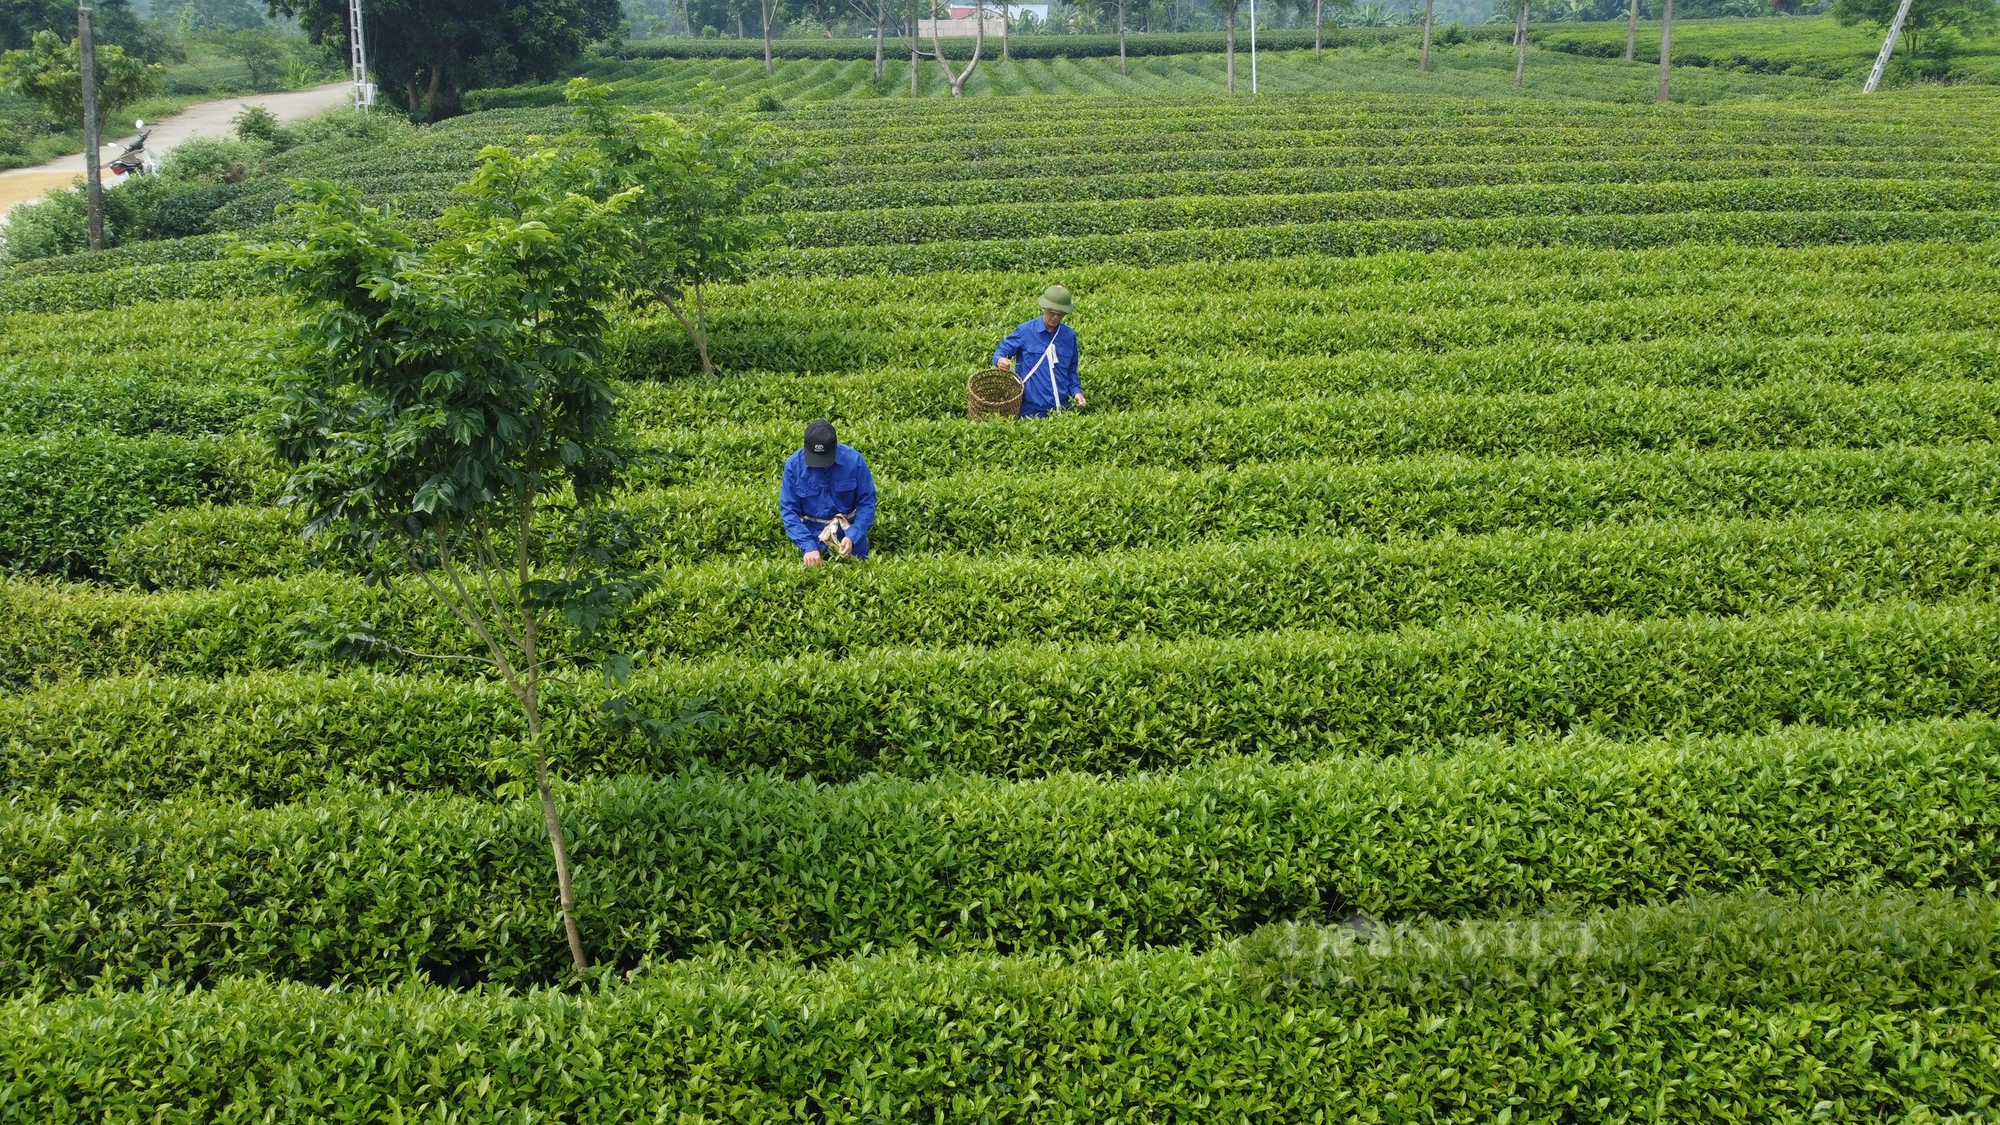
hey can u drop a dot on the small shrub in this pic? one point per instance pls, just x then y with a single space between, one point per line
201 160
53 227
256 124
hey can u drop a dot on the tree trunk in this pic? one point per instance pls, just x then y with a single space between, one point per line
1319 23
1122 68
696 324
767 37
881 34
957 81
1631 30
531 702
1521 43
1006 17
916 21
1666 46
739 26
1230 64
978 45
558 844
1424 62
701 322
437 79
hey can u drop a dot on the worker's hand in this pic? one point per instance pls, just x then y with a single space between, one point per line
1005 364
1080 401
811 558
846 548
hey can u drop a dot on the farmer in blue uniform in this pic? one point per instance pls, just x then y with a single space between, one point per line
1042 354
827 497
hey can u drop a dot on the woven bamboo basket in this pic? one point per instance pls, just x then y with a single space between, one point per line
993 392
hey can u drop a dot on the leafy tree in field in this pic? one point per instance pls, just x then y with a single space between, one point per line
1928 27
261 52
437 402
429 52
50 73
702 181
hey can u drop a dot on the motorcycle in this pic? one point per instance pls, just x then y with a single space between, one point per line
135 159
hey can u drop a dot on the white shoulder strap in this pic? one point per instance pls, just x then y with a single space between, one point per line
1049 358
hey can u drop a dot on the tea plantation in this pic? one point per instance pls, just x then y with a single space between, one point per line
1512 637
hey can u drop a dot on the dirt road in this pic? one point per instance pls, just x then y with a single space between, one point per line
205 119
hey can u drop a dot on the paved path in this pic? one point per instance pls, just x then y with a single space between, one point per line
204 119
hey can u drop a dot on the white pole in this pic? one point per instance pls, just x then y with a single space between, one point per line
361 98
1253 45
1888 48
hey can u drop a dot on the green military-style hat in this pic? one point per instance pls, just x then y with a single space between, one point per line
1056 299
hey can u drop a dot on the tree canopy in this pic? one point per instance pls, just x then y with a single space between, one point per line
427 53
704 183
213 15
1928 28
50 73
111 22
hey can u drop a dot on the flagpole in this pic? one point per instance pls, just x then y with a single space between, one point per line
1253 46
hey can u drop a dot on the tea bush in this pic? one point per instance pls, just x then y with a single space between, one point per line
1512 636
355 888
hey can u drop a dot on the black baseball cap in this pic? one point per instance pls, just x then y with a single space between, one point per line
820 444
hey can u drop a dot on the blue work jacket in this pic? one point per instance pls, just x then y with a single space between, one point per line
809 497
1045 362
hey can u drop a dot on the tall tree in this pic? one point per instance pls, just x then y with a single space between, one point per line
766 11
1521 41
1632 31
879 16
1123 68
1316 12
434 401
1228 10
1666 48
1114 10
1424 60
957 78
429 52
